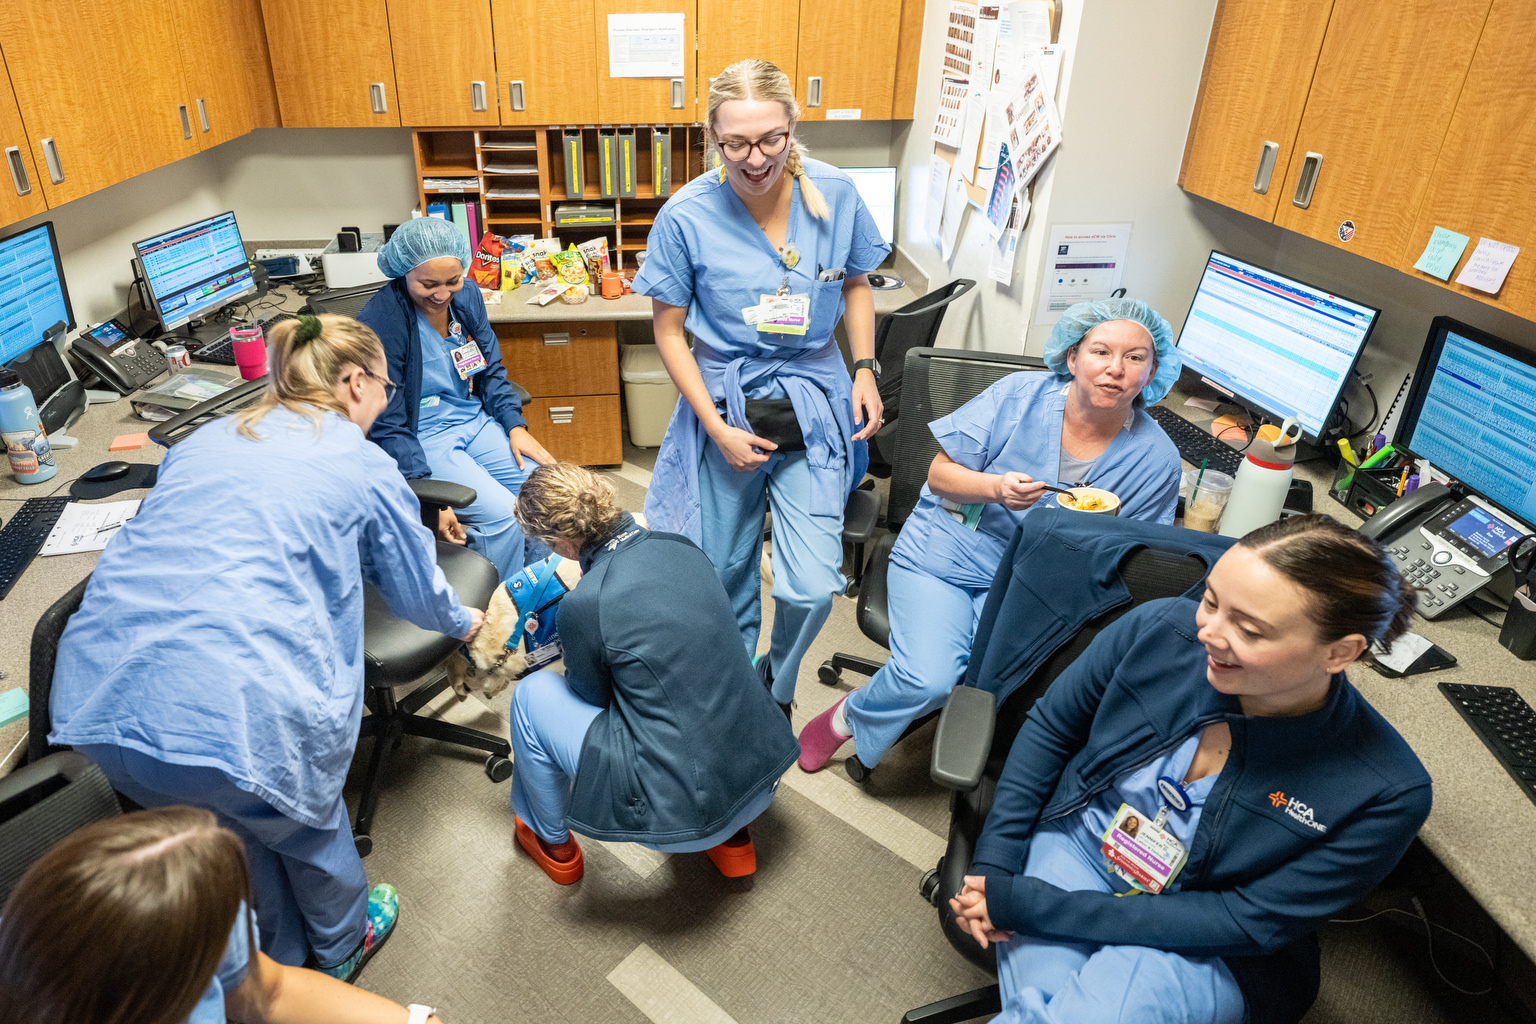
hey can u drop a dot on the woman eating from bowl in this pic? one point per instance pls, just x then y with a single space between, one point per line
1232 721
1083 421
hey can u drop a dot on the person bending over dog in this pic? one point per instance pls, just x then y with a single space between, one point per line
661 732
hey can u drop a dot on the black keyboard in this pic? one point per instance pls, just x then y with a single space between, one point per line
1195 443
24 534
222 349
1504 722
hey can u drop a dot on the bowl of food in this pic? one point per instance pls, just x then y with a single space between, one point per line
1090 499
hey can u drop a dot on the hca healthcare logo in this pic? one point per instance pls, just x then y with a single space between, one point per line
1296 809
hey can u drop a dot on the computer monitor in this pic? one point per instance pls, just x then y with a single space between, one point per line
877 187
1471 412
193 271
1278 346
33 297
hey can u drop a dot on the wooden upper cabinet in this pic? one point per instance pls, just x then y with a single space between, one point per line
645 100
1381 101
552 82
849 51
226 68
102 130
332 69
445 66
909 46
733 30
21 194
1481 186
1258 68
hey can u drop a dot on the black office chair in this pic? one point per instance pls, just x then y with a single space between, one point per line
935 382
44 801
914 325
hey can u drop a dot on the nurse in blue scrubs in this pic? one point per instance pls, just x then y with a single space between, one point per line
1083 422
456 416
769 223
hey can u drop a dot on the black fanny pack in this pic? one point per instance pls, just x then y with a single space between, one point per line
773 419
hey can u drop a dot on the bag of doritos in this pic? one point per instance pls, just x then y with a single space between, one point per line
485 271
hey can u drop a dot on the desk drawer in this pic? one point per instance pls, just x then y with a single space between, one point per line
562 358
582 428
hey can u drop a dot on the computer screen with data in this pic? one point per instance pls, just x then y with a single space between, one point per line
32 293
1280 346
1472 412
194 270
877 186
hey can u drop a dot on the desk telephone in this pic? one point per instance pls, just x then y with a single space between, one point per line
1447 546
124 363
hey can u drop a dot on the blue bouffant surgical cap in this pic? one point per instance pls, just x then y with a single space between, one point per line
1078 320
419 240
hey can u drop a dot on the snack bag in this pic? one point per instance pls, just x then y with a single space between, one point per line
595 252
571 267
513 252
485 271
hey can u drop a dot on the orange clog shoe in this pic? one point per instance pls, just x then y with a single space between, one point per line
564 872
735 857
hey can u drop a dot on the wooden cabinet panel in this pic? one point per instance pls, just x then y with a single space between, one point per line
644 100
733 30
441 48
14 205
225 65
1380 104
576 358
851 48
105 129
909 46
558 79
1258 68
314 88
1482 183
580 429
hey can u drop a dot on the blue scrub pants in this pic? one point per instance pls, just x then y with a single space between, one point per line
807 552
549 725
307 884
1046 982
477 454
932 625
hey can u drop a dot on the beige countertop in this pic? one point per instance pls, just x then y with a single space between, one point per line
513 306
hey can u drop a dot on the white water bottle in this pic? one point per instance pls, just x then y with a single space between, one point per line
1263 480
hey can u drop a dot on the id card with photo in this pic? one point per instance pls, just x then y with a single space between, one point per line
781 314
1141 851
468 360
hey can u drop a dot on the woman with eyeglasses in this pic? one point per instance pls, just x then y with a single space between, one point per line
758 261
456 417
217 657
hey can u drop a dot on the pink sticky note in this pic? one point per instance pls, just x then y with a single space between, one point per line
128 442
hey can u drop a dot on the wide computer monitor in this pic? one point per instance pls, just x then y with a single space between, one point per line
1471 412
1279 346
33 298
877 187
194 270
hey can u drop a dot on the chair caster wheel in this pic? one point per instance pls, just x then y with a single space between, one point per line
498 768
928 888
364 844
852 590
828 674
856 769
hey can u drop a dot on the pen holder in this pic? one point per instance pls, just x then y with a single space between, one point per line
1373 490
1519 631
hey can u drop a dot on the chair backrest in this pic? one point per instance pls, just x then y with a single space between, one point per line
42 803
45 650
936 382
914 325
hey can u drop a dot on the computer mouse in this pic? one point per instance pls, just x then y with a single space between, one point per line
106 471
877 280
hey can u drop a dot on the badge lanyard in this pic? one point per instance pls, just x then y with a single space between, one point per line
1139 849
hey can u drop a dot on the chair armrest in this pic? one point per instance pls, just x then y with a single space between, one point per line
963 739
861 516
441 493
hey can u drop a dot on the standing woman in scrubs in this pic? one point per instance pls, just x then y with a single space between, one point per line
223 667
769 222
456 416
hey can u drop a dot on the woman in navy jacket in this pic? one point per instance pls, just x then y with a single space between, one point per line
1299 796
456 416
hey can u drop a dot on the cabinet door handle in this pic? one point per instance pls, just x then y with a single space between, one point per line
186 122
202 113
1307 181
562 413
558 338
1266 167
813 91
18 171
51 157
677 94
376 94
515 94
477 97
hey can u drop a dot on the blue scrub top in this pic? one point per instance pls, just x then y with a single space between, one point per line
223 626
1015 426
445 399
230 973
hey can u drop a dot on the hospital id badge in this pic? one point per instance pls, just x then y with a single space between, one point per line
1141 851
468 359
782 314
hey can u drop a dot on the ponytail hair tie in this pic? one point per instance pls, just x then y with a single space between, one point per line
309 329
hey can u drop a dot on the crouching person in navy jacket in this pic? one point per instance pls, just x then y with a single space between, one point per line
1200 791
661 732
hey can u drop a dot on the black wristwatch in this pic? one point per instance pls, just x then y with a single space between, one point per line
873 365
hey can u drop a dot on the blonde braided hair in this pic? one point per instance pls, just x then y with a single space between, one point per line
760 80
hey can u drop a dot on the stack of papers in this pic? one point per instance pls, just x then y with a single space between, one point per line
449 184
87 527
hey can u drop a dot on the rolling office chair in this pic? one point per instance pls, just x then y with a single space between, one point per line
935 382
44 801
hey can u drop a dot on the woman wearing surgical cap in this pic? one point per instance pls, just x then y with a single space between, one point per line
1083 422
456 416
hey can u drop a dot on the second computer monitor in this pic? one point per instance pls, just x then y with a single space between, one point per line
877 187
194 270
1280 346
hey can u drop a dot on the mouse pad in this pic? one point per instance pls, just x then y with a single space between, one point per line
142 474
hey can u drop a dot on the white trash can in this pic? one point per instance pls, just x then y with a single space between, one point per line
648 392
